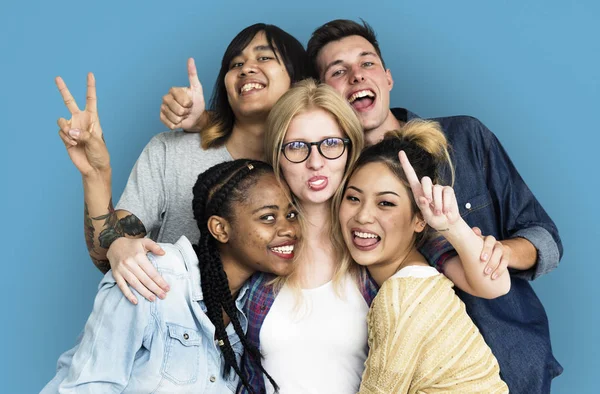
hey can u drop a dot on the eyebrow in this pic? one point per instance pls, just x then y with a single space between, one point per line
266 207
259 48
378 194
339 61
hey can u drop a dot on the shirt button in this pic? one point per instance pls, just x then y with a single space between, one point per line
468 205
212 379
186 336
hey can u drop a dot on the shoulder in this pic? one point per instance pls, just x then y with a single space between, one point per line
174 138
465 128
404 290
179 258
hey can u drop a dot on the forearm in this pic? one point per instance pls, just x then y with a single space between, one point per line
102 224
523 253
541 255
469 246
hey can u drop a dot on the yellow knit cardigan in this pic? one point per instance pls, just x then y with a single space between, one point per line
422 341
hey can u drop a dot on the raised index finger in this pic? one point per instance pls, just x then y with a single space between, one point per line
91 103
411 175
66 95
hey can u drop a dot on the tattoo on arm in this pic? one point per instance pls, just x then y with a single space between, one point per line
102 265
113 228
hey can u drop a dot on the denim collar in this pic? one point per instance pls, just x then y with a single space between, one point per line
192 265
404 115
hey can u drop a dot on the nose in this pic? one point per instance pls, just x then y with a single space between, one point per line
357 75
288 229
315 161
364 214
249 67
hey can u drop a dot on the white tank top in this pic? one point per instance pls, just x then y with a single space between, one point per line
320 347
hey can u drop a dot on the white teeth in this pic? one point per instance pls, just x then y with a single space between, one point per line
251 86
318 183
360 94
364 235
283 249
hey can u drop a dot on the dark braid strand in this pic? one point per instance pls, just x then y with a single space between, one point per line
214 194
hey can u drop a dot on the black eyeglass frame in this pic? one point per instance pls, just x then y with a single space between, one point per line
345 141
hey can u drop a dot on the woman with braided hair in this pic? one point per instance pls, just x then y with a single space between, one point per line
191 341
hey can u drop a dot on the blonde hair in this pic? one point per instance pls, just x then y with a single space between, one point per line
427 149
303 97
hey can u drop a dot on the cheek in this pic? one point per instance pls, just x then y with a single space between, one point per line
229 83
290 174
344 215
280 77
339 165
337 84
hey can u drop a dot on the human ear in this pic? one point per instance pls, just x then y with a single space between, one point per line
419 223
390 80
219 228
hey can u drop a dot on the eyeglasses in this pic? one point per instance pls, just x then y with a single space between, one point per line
329 148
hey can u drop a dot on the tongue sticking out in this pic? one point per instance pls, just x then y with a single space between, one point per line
362 103
364 242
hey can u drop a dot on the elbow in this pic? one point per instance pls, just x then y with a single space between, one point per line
497 289
491 289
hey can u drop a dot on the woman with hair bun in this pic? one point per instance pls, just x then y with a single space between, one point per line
420 336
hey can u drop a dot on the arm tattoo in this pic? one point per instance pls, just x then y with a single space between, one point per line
102 265
113 227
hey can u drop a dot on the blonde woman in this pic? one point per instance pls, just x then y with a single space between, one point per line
311 328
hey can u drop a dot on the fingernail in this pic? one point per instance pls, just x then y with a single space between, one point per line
494 276
484 257
167 288
162 296
488 270
152 298
74 133
133 301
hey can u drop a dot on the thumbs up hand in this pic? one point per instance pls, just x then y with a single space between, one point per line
183 107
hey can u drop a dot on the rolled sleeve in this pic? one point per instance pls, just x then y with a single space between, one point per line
548 254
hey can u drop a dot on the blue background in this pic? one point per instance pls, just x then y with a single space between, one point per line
529 70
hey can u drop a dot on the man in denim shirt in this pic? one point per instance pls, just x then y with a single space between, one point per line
491 196
157 345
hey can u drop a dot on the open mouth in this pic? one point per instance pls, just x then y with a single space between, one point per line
283 251
364 240
251 86
362 100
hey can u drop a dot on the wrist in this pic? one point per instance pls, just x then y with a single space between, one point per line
98 174
457 231
200 123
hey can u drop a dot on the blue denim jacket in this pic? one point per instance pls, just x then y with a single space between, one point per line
492 196
166 346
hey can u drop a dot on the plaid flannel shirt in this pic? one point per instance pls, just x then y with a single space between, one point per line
260 300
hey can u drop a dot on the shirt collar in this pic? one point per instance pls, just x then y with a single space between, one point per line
404 115
192 264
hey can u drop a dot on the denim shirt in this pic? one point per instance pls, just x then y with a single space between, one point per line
166 346
492 196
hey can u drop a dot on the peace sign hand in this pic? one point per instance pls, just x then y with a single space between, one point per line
437 203
82 134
